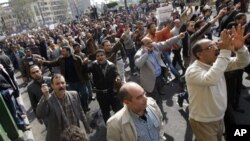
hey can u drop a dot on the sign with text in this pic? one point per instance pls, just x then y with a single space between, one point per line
163 13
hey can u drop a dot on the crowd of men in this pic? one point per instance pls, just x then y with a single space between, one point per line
89 55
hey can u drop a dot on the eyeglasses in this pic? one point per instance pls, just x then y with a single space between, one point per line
149 43
210 47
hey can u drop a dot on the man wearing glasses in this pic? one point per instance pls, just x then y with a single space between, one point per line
206 82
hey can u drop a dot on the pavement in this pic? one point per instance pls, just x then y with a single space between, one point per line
176 127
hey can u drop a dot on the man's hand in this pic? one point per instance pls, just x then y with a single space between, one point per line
45 90
225 41
40 61
238 38
127 31
85 61
89 130
181 35
118 80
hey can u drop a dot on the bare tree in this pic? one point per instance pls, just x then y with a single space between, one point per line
22 9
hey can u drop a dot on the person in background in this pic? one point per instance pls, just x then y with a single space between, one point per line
34 88
148 60
105 76
9 91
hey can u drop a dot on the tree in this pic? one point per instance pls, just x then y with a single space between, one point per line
112 4
23 12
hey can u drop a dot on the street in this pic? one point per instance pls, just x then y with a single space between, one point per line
176 127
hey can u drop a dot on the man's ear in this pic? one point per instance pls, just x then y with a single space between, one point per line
126 101
198 55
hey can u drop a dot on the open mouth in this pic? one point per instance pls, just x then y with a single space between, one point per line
217 52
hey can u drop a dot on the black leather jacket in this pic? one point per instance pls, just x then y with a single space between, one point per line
101 81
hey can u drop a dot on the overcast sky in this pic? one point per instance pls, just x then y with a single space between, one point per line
1 1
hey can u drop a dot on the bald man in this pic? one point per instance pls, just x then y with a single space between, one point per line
140 119
206 82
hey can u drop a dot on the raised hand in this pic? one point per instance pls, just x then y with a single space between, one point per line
238 38
181 35
225 41
45 89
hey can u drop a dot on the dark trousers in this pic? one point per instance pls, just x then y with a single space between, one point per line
168 61
130 54
82 91
229 121
177 59
106 102
234 83
155 94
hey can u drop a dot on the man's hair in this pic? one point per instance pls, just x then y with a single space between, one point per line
189 22
124 94
239 16
104 41
67 48
230 25
99 51
149 25
33 66
198 23
76 44
73 133
55 76
195 49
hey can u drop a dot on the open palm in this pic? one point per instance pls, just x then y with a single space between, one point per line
238 37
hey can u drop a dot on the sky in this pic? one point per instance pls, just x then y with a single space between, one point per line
1 1
94 1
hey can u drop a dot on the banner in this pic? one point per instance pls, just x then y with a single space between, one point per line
163 13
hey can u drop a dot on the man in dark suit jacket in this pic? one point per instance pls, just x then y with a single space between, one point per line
61 107
34 88
104 75
71 68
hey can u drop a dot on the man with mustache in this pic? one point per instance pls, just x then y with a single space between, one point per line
62 108
71 68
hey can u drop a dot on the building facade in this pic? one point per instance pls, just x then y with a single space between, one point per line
19 15
53 11
78 6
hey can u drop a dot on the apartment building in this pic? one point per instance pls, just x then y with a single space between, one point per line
8 19
54 11
79 6
38 13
